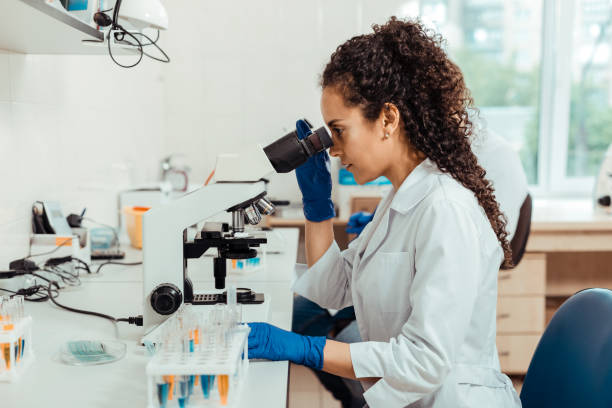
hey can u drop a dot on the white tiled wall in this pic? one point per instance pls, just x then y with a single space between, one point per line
78 128
244 71
73 129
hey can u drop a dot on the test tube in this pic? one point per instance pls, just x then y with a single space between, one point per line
162 391
218 323
183 390
169 379
223 386
6 324
206 382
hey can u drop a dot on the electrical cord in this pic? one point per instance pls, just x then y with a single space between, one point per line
132 320
67 277
31 294
57 247
138 44
151 42
36 293
117 263
137 320
110 51
85 267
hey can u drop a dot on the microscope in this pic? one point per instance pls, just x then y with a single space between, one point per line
239 189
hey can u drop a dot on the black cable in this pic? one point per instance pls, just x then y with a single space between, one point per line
116 26
34 290
117 263
154 43
116 14
67 277
27 293
61 245
85 265
110 52
45 279
137 320
72 309
9 291
151 42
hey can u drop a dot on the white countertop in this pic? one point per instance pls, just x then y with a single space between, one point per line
118 292
569 214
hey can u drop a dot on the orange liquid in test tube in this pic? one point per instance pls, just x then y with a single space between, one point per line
223 385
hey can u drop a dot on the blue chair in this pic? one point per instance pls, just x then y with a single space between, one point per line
572 365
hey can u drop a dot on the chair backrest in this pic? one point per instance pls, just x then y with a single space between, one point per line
521 234
572 365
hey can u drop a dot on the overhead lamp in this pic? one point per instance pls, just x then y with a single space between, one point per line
144 14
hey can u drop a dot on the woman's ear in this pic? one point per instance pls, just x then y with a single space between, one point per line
390 116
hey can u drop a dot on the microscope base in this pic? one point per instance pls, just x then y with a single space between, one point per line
214 298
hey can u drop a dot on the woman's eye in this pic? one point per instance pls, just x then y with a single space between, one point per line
337 131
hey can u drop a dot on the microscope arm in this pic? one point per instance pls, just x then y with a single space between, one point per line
163 241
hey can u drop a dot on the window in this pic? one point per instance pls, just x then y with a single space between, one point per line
590 119
540 72
487 38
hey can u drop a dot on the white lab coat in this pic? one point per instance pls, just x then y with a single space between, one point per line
422 277
505 171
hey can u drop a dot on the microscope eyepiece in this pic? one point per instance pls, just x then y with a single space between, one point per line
289 152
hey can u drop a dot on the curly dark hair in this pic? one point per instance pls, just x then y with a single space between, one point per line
403 63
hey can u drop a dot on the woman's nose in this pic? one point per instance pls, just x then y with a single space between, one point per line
333 151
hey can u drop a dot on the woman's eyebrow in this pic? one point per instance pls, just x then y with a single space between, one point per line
333 122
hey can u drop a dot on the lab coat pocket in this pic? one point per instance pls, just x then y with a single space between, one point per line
389 280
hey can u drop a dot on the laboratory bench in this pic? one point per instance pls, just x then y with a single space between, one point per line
569 249
117 291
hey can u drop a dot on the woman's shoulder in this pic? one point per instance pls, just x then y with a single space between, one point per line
448 195
447 190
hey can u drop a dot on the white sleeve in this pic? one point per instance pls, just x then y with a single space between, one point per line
328 281
443 293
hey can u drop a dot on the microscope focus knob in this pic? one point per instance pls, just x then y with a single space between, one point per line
166 299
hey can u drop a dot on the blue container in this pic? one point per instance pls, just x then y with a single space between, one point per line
346 178
77 5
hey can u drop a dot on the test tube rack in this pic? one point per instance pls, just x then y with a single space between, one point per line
16 353
249 265
225 368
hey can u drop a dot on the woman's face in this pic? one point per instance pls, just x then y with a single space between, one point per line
358 143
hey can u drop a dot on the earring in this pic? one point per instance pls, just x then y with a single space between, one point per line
386 136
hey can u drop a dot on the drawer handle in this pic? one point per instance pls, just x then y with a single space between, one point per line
504 276
503 315
504 353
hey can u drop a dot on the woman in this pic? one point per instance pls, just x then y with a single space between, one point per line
422 276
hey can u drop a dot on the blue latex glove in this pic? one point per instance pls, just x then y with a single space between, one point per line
270 342
358 221
314 179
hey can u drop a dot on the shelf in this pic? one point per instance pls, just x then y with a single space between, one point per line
44 27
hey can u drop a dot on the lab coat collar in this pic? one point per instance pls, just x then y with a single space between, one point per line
414 187
412 190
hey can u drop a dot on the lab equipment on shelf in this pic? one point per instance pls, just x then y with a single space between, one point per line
201 358
15 338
